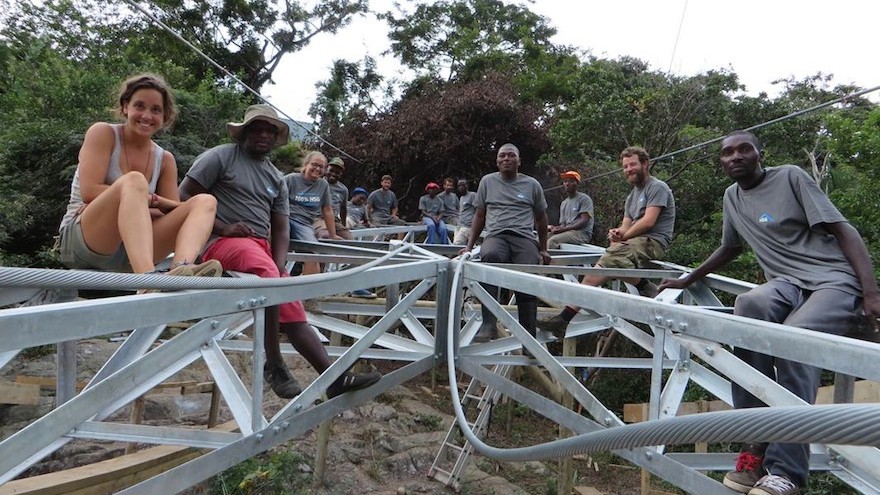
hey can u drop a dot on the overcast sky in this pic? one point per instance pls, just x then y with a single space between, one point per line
761 41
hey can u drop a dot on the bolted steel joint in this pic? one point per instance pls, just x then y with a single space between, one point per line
710 351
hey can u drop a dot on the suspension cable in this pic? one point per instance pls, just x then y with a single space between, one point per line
44 278
841 424
236 79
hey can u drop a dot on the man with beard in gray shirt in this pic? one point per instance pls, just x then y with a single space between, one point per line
644 234
818 274
511 206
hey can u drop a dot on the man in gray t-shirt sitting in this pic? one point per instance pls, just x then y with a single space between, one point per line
818 273
575 214
511 207
251 235
644 234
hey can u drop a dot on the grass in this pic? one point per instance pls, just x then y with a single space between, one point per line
267 474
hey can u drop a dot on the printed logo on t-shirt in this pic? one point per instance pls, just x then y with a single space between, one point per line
765 218
520 195
271 190
642 198
306 198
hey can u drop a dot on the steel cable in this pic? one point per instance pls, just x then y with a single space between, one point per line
840 424
44 278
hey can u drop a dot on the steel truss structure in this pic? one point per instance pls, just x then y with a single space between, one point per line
687 334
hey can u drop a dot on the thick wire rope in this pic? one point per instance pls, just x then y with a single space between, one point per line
44 278
839 424
235 78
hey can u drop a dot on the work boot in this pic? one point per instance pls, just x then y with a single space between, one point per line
748 468
555 324
487 328
282 382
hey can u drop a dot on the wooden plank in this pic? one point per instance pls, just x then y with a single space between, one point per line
865 391
19 393
197 388
46 382
84 479
109 476
635 413
185 387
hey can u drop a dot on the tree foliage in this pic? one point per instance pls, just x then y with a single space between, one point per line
460 39
453 132
347 94
48 98
249 37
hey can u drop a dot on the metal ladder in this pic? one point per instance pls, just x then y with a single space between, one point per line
476 404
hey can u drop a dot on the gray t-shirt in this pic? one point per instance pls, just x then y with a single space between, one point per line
356 214
338 197
247 190
779 218
382 202
450 206
510 205
434 205
654 193
572 208
306 197
466 208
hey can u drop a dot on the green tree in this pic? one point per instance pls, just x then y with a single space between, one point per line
47 101
453 130
467 39
347 94
249 38
453 39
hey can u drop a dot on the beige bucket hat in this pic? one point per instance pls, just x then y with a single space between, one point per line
264 113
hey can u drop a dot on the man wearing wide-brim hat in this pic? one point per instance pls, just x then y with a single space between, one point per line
251 234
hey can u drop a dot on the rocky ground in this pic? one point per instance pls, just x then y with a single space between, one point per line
383 447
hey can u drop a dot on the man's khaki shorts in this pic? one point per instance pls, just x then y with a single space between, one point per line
632 253
320 227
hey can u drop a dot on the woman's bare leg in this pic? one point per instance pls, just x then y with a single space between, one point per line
184 229
121 214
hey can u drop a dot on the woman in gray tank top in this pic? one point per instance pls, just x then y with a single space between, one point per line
125 212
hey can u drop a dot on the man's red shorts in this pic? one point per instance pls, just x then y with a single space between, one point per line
253 255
